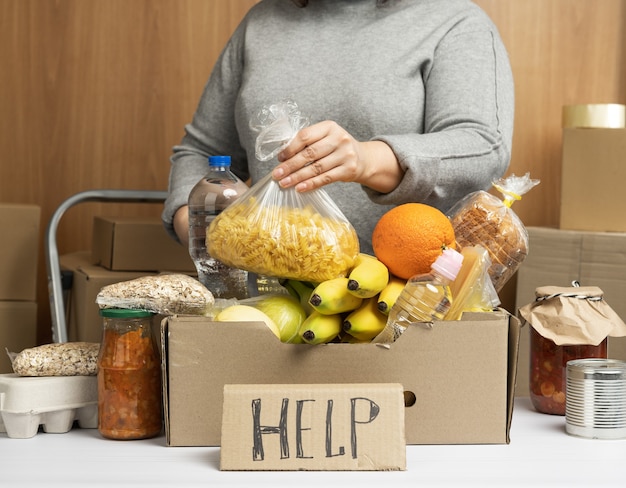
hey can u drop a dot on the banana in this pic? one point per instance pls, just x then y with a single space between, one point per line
319 328
332 297
366 322
368 277
390 293
302 291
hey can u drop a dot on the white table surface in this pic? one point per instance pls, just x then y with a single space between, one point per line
541 453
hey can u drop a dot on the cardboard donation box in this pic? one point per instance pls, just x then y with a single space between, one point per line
137 244
457 377
593 175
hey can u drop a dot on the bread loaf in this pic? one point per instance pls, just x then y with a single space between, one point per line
483 219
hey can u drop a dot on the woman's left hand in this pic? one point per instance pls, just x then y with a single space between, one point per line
325 152
318 155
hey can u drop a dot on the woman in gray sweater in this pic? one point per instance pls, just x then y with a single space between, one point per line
408 101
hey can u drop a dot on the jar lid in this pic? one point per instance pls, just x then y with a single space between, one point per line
124 313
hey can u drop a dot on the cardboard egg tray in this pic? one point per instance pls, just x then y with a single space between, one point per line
53 402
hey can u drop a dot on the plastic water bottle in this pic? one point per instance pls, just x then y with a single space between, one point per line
212 194
425 297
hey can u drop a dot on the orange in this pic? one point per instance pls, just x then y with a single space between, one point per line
410 237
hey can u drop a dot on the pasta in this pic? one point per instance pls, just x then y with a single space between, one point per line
283 241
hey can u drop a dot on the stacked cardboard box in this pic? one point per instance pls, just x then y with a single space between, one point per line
592 180
123 248
136 244
559 257
18 279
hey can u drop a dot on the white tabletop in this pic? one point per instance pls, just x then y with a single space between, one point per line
541 453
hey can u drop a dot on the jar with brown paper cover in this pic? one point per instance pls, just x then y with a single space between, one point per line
566 323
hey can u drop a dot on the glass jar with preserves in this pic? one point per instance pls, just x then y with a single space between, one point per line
129 376
548 366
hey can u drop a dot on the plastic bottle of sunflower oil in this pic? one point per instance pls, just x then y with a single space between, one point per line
426 297
212 194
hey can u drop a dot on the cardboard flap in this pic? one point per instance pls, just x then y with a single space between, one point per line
515 328
358 427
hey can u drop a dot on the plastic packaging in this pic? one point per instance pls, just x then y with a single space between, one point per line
425 297
57 359
279 232
218 189
567 323
165 294
472 290
53 402
129 376
486 220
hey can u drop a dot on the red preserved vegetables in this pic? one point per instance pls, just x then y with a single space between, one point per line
129 378
548 363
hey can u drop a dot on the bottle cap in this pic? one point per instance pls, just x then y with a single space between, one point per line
449 263
219 160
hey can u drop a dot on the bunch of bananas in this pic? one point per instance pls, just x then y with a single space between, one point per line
347 309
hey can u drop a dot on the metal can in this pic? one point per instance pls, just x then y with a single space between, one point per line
129 376
596 398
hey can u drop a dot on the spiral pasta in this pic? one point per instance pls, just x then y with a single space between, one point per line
283 241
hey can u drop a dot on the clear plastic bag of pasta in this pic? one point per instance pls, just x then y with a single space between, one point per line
278 232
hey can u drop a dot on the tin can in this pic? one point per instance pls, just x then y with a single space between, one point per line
596 398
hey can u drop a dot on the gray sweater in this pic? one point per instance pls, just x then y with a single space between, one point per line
431 78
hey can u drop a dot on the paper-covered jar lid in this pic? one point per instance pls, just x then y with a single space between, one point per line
573 315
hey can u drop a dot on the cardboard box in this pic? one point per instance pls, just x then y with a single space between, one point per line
592 180
18 330
137 244
559 257
83 318
460 374
19 251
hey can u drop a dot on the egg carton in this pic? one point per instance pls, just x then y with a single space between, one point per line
53 402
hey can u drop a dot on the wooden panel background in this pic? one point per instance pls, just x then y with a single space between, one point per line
94 93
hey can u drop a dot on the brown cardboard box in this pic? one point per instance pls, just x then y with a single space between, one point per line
558 257
83 320
462 374
19 251
136 244
592 184
18 329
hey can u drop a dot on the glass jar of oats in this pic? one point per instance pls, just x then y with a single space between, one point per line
129 376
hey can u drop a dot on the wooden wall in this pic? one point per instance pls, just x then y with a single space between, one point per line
94 93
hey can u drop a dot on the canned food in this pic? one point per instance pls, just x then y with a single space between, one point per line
596 398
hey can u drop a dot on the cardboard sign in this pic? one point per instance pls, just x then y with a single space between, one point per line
313 427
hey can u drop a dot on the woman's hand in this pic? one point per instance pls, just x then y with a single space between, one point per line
325 152
181 225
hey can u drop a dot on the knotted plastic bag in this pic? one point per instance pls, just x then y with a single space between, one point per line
572 315
279 232
486 220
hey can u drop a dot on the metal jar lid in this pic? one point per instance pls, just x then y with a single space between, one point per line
595 398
